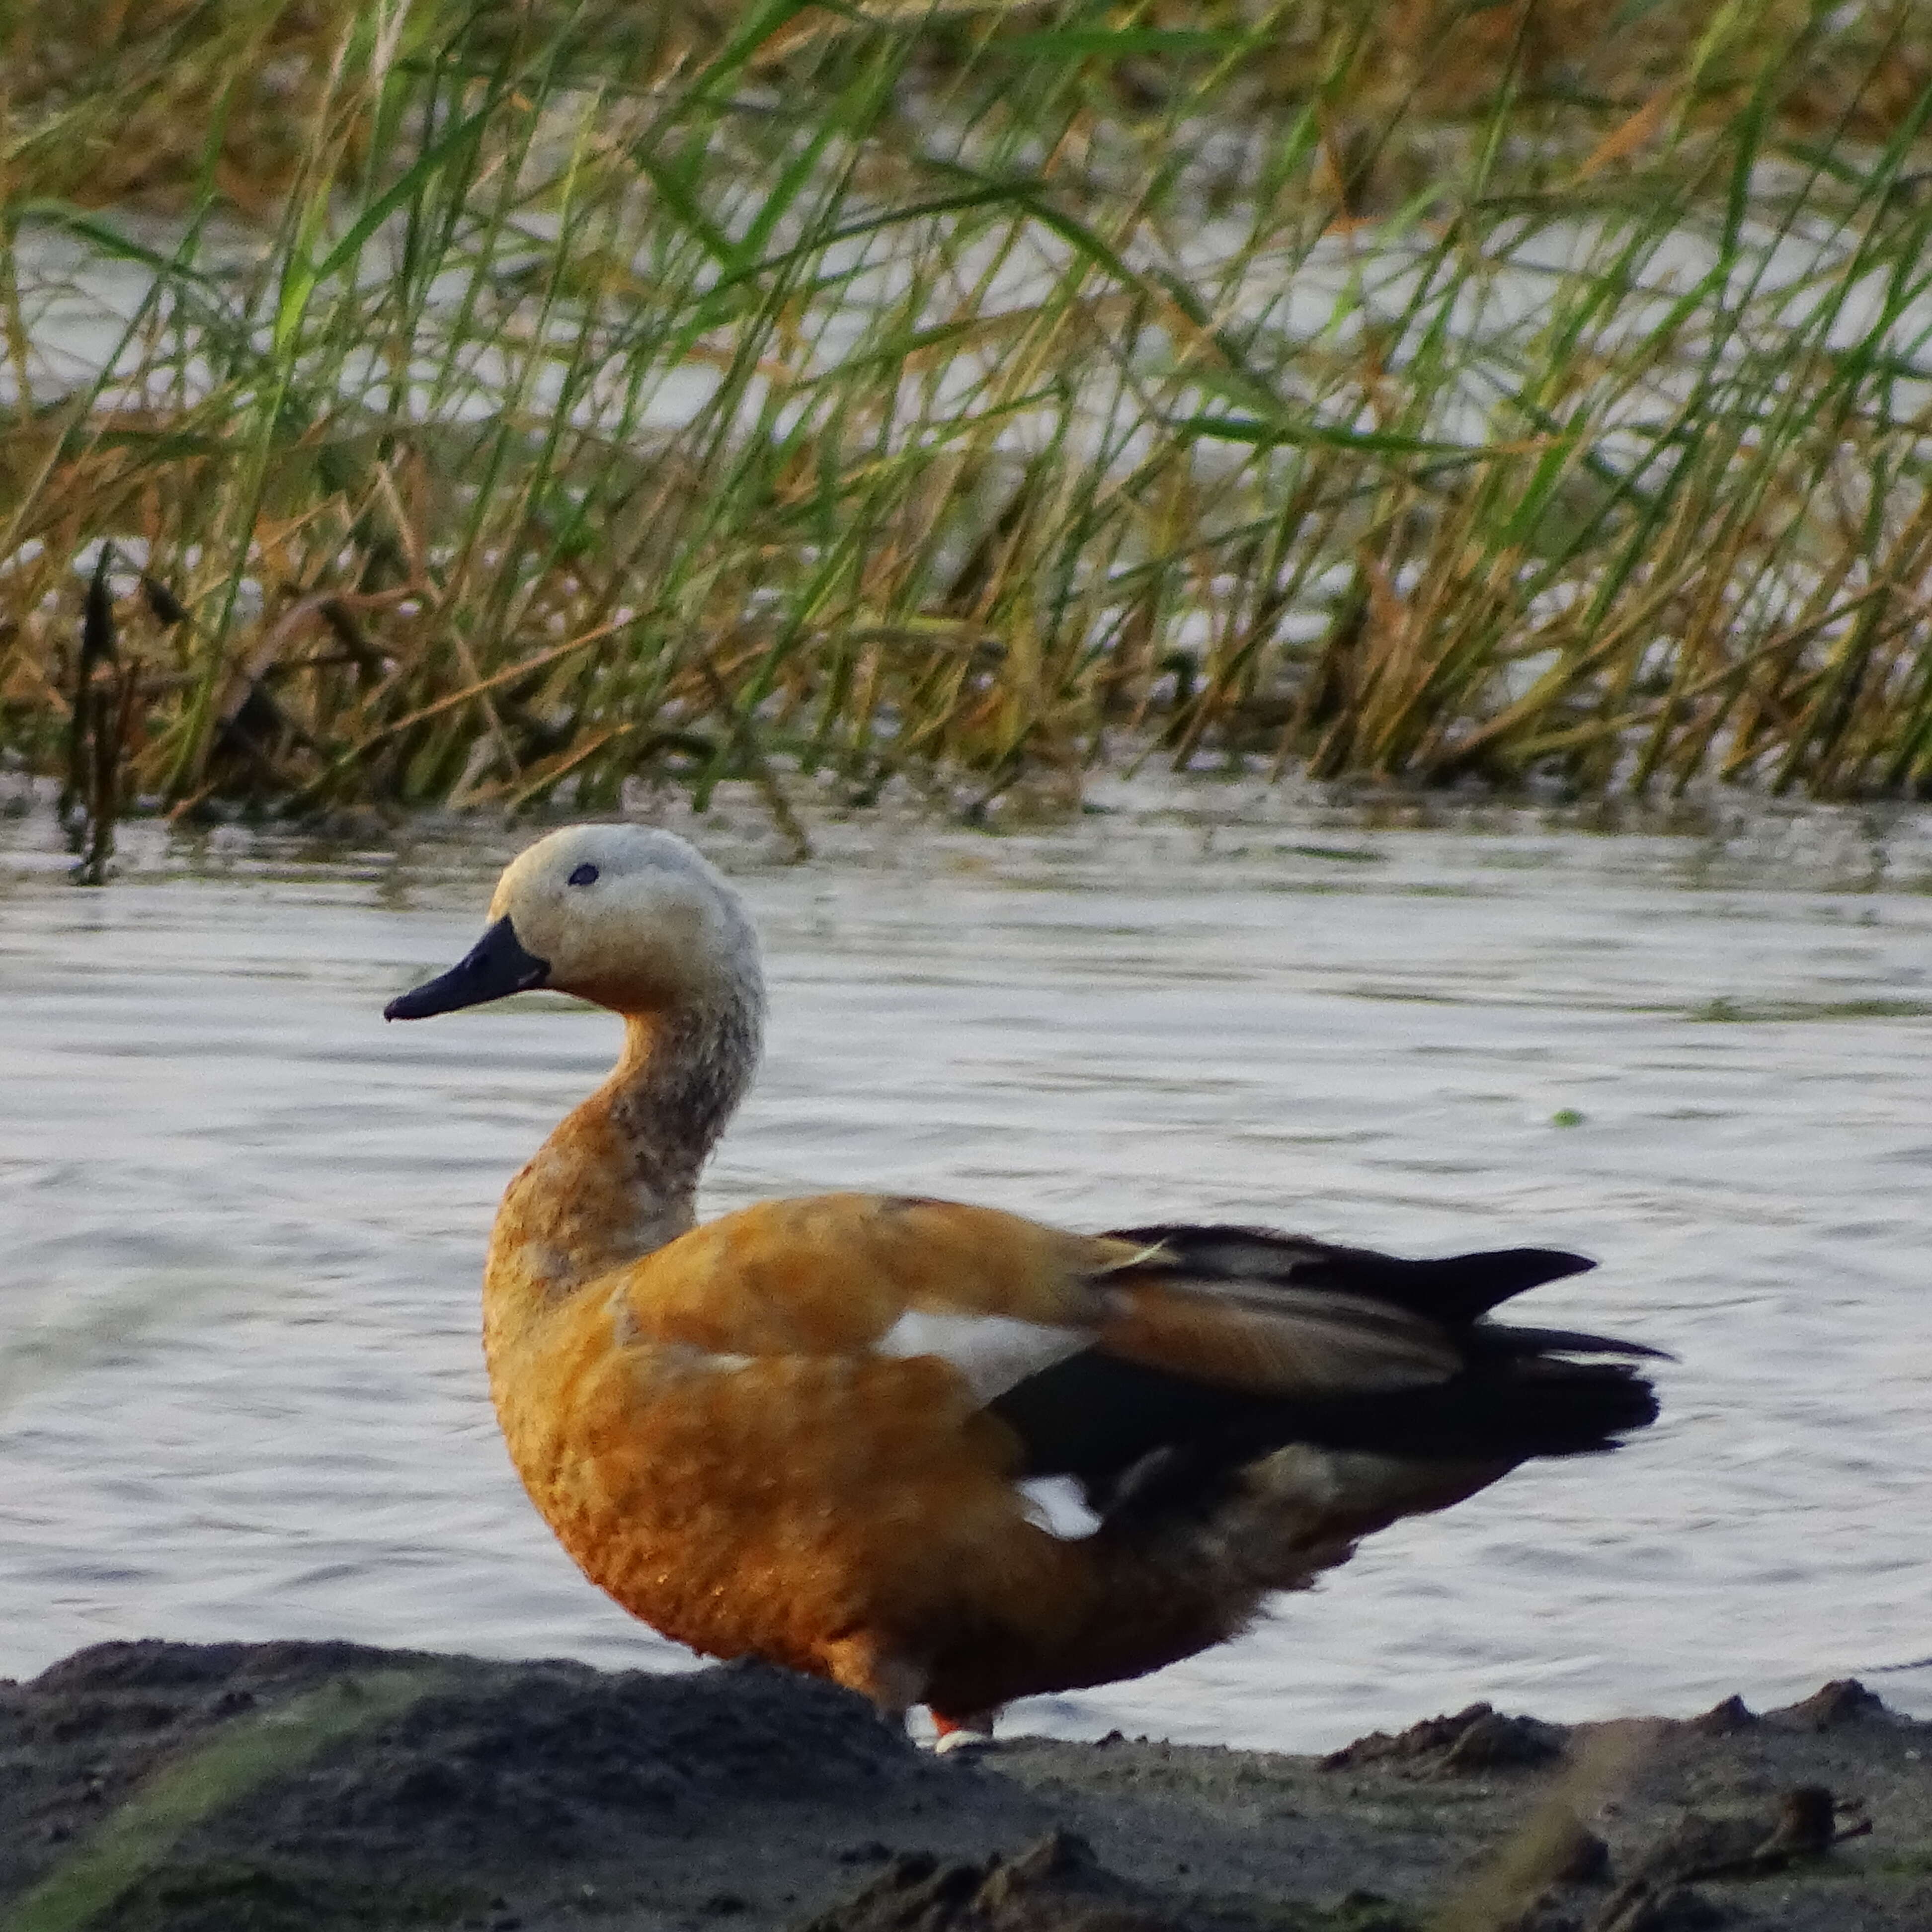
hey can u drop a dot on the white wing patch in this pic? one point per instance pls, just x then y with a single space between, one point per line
992 1351
1059 1506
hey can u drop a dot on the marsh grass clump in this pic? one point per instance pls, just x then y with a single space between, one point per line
98 711
515 402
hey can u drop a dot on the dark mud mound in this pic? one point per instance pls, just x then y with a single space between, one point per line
1478 1739
556 1759
448 1757
230 1785
1056 1885
82 1738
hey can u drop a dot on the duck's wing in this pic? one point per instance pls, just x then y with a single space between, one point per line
996 1296
1099 1352
1182 1268
1226 1343
1001 1297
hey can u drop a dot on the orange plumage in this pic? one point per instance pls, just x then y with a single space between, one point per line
800 1432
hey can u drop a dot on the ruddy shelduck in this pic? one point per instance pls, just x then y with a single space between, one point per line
806 1431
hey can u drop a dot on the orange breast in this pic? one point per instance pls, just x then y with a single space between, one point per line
709 1435
839 1513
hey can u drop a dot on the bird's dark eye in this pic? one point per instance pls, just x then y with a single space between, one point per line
584 875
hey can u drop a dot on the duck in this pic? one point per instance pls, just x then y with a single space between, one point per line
817 1431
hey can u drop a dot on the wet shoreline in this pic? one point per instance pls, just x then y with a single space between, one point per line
326 1785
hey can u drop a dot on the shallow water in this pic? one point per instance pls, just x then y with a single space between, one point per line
80 302
241 1393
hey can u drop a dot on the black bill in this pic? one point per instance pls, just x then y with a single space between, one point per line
495 966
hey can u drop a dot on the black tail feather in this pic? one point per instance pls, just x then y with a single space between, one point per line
1453 1288
1563 1408
1094 1416
1536 1407
1505 1338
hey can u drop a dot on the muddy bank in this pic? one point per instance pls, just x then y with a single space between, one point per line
214 1788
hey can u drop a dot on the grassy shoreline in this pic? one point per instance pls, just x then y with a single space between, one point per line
923 399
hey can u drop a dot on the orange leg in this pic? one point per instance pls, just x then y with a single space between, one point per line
960 1733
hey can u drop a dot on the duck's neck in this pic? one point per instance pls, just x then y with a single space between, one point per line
619 1176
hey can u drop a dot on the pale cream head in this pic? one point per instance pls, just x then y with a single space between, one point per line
631 917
